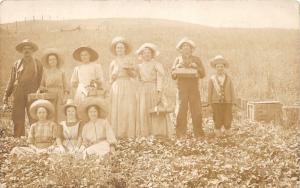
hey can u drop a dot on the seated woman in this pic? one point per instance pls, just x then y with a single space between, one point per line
97 135
70 129
43 134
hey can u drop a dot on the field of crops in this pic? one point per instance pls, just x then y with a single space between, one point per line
255 155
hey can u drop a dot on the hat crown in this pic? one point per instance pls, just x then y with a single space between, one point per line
219 57
148 45
118 39
186 40
26 40
70 101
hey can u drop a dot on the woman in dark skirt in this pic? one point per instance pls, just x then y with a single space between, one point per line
221 96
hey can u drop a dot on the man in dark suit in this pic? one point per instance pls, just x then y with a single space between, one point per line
25 78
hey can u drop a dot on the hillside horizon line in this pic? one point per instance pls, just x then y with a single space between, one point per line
159 21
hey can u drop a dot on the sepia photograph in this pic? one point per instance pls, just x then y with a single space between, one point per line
149 93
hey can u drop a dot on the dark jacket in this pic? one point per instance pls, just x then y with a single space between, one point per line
229 96
16 76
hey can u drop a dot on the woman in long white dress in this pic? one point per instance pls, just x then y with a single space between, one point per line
150 95
123 90
88 72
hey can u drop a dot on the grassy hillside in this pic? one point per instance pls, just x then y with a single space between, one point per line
253 53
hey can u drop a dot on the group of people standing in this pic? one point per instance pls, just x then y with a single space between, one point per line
88 120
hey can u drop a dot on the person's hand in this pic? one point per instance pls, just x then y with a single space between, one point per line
61 149
75 150
5 100
179 65
112 149
4 107
159 96
81 149
193 65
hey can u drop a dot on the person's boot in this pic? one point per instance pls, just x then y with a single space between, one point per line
218 132
227 132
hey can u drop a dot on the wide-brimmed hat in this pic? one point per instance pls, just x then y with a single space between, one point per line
26 42
52 51
117 40
219 59
41 103
69 103
185 40
94 55
92 101
152 46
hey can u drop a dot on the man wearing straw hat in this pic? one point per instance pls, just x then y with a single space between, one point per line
188 91
25 78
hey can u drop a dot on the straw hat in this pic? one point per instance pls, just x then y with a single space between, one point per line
52 51
185 40
219 59
76 54
69 103
117 40
41 103
92 101
26 42
152 46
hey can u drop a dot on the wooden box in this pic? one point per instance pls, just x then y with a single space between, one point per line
291 114
264 111
186 72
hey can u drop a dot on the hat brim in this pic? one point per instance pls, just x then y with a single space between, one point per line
94 55
191 43
128 48
41 103
69 105
143 47
44 59
92 101
214 62
20 46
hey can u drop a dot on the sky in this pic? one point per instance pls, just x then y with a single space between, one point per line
216 13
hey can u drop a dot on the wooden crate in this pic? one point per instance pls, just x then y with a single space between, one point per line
244 104
264 111
291 114
186 72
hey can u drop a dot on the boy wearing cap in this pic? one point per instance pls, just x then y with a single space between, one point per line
221 95
25 78
188 91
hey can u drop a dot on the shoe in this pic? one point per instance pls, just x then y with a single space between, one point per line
218 133
228 132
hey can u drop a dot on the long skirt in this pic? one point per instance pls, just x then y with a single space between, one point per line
69 145
123 108
59 102
151 124
100 149
28 150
